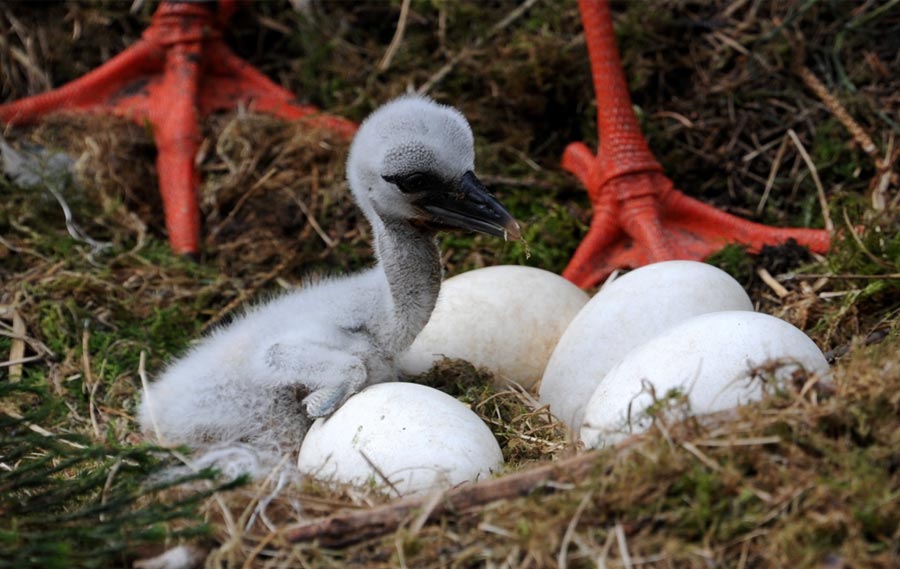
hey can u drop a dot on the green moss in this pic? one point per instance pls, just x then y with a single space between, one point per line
524 528
55 326
170 328
734 260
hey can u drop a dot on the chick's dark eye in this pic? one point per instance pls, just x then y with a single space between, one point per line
413 183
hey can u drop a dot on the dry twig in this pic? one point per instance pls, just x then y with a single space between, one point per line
773 284
343 529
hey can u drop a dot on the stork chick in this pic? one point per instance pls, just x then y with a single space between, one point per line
261 379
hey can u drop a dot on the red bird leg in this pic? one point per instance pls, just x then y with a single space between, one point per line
717 226
177 138
622 148
178 71
639 217
231 81
91 90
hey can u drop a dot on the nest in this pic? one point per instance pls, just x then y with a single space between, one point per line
808 476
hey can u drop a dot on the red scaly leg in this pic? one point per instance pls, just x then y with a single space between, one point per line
231 81
178 137
604 229
639 217
177 72
92 90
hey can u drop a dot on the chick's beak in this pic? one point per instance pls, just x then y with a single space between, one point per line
470 206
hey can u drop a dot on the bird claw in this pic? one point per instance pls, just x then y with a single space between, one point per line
324 402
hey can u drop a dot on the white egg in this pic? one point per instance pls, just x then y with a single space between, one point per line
717 360
623 315
401 437
506 319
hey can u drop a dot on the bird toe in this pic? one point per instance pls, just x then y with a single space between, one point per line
324 402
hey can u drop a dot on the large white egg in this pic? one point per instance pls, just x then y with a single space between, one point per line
506 319
418 438
623 315
717 360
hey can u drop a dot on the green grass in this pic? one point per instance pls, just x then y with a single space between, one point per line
71 501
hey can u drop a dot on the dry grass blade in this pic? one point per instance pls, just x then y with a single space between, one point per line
622 542
740 442
427 512
691 448
89 381
145 386
814 172
773 171
14 363
852 231
385 62
562 560
44 432
17 348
